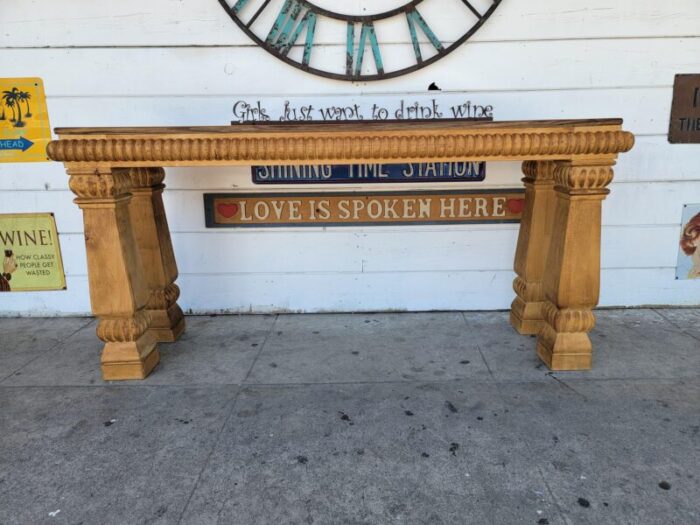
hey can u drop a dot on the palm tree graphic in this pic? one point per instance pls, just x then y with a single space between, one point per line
25 97
13 99
8 99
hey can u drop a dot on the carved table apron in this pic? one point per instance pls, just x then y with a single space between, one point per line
117 175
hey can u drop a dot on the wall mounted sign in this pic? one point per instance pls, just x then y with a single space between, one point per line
688 266
299 32
24 120
353 108
370 173
31 253
238 210
685 112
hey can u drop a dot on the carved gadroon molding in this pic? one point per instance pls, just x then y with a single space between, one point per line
339 147
117 330
151 178
582 177
527 291
100 185
538 172
569 319
162 299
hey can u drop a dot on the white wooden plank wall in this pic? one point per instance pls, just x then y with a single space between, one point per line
183 62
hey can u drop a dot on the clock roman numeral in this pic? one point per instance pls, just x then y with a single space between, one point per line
294 25
288 28
367 33
242 3
239 5
414 19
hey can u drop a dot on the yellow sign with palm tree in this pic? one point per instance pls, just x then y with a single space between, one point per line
24 120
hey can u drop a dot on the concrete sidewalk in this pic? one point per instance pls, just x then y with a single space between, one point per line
325 419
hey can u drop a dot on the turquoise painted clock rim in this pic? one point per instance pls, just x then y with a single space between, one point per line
381 75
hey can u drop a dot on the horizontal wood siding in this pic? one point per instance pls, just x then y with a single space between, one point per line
167 62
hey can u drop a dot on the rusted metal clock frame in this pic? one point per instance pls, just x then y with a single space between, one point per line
300 16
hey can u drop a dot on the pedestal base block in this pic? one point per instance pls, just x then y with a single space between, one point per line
130 360
564 351
167 325
526 318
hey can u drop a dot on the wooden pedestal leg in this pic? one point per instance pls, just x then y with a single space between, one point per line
118 288
153 240
533 245
572 278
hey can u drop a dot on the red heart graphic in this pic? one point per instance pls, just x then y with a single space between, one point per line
516 205
227 210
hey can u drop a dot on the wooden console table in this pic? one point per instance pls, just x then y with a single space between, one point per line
117 175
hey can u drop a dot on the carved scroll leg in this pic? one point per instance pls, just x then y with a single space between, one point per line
572 280
118 288
153 240
533 245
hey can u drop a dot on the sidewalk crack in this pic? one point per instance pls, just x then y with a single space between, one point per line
262 347
58 343
565 385
669 321
483 358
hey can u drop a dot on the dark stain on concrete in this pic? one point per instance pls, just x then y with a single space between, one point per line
464 362
302 459
665 485
453 448
451 407
425 455
408 412
584 503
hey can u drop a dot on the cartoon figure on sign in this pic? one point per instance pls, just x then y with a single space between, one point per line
9 265
690 241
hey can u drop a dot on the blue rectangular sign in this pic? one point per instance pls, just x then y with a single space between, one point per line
370 173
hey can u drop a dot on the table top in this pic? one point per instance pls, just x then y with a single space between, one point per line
368 126
365 142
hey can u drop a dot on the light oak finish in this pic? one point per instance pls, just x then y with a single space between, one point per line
117 175
526 314
119 291
153 240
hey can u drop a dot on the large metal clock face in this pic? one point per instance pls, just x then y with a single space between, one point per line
360 39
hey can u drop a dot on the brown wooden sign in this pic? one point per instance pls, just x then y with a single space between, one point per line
238 210
685 112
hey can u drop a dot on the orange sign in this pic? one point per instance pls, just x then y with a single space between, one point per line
24 120
351 209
